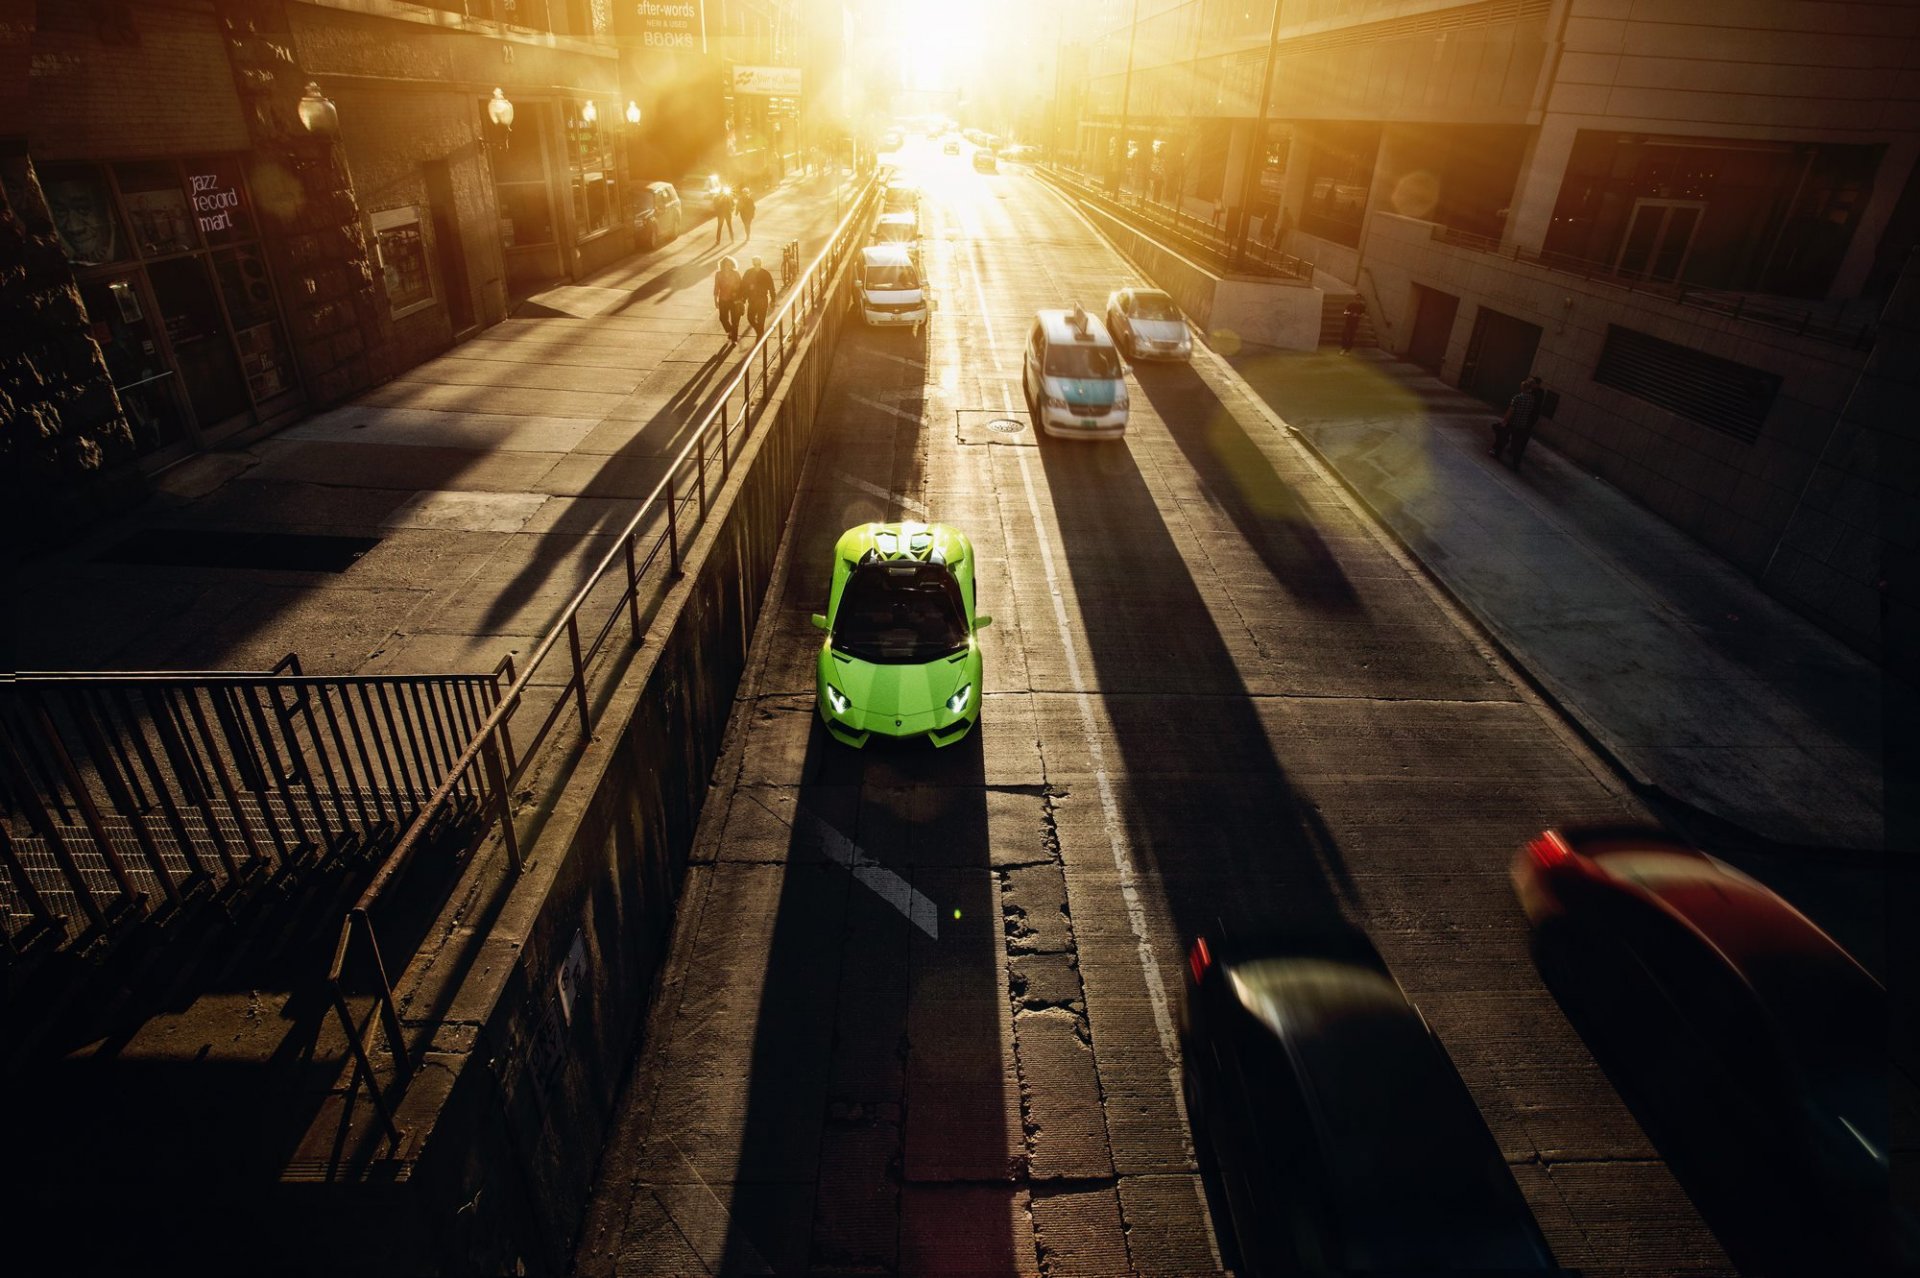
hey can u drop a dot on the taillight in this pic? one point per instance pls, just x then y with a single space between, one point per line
1550 851
1199 959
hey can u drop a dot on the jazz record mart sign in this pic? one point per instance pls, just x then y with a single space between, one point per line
770 82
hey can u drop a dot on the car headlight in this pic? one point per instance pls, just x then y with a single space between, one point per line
838 700
958 701
1053 401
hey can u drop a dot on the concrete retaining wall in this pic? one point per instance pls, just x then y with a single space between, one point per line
1231 311
508 1114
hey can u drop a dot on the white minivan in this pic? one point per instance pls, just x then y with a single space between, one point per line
1074 379
890 289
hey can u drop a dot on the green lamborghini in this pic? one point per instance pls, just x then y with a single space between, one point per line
902 656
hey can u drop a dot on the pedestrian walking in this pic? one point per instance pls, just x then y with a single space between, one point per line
746 208
1515 428
1350 323
723 214
758 283
728 292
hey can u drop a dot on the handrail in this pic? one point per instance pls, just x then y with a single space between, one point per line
1202 237
675 491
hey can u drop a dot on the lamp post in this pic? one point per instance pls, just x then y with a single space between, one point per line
317 113
499 119
1259 147
1126 92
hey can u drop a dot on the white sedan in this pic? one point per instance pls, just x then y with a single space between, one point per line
1146 325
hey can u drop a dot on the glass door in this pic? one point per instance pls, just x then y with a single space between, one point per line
1659 233
196 330
121 315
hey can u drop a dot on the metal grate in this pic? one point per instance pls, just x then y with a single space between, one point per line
1726 396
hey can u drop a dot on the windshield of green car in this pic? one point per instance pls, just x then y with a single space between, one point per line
900 612
1083 361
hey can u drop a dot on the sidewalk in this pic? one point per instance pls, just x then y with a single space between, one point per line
1699 684
490 479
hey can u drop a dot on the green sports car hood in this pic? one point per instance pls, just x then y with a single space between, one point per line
901 690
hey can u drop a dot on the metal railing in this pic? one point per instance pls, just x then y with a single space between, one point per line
646 554
136 793
1200 236
1836 324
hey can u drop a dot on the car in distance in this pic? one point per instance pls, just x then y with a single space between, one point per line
1075 383
902 653
952 147
1331 1121
659 215
1744 1034
983 162
900 197
1146 324
891 140
896 228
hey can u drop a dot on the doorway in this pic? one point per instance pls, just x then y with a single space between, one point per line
1659 236
449 248
197 333
1499 355
1433 315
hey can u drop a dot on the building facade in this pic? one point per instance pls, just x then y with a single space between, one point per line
221 214
1689 225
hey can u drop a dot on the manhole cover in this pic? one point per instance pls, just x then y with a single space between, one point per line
1006 425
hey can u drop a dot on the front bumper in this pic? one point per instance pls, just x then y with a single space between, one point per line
1069 423
855 728
894 319
1141 348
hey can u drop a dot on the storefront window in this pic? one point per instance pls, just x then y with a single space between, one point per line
248 292
141 375
520 181
190 316
82 207
156 208
402 247
590 165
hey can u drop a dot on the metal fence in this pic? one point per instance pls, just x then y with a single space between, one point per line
624 586
1197 235
125 795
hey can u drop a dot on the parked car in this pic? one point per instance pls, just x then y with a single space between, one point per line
1075 383
1331 1122
889 288
983 162
660 214
902 654
952 147
900 197
1145 323
1752 1043
698 191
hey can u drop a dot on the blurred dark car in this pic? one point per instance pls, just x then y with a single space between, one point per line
984 162
1752 1043
1332 1122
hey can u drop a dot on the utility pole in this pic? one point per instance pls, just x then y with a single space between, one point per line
1126 91
1257 153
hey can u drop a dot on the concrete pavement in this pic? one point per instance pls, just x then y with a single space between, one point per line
491 479
1698 683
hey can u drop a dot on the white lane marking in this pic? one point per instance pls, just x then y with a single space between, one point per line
898 359
884 883
905 502
885 407
1117 838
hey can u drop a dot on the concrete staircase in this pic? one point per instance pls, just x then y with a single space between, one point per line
1330 308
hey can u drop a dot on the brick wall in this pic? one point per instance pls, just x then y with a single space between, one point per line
155 84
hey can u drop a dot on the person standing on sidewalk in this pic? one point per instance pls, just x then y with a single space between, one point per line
758 283
728 290
723 214
1515 428
746 213
1350 323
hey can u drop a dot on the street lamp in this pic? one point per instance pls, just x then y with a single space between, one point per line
589 113
499 119
317 113
633 112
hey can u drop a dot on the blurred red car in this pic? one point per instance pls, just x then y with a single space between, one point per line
1748 1035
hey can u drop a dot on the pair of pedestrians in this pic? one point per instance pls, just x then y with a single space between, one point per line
734 289
725 205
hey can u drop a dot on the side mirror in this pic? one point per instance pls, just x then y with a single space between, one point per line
819 621
982 622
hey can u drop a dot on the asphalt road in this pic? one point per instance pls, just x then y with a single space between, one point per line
918 1016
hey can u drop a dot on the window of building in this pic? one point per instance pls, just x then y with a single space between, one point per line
590 171
400 241
1340 160
520 180
156 208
